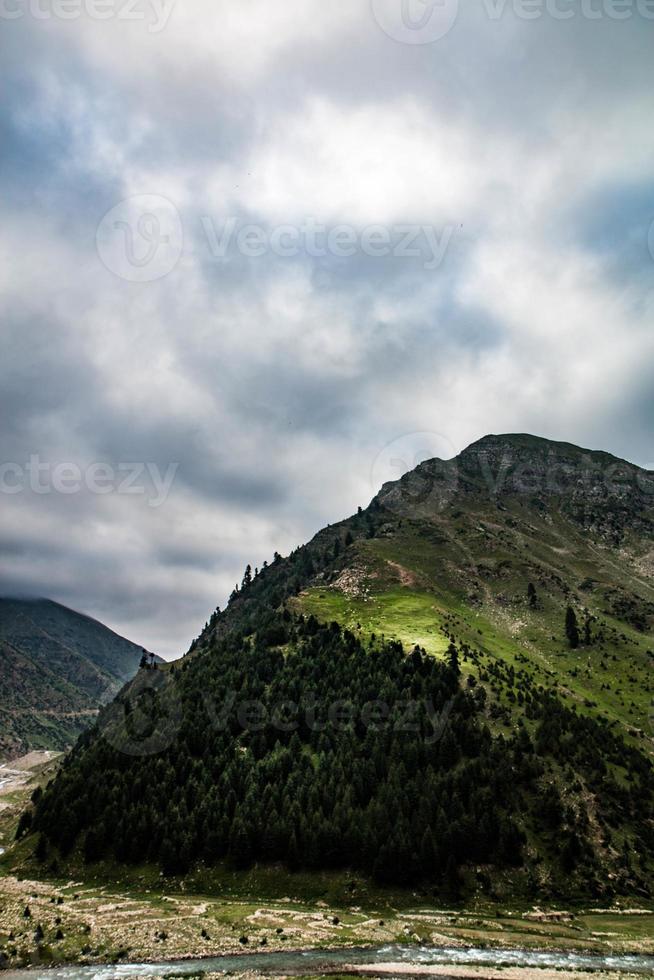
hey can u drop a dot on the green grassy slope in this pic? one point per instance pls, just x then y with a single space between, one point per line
409 587
443 557
57 666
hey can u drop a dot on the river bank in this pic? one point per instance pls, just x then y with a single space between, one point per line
74 922
385 961
93 920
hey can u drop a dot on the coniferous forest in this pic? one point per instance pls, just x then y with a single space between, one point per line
289 737
302 745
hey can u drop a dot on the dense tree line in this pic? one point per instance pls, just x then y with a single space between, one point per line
280 749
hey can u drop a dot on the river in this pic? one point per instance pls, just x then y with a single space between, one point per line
314 961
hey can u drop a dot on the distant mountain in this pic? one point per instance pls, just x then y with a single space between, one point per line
57 667
450 690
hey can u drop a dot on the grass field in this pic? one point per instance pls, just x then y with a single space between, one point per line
422 589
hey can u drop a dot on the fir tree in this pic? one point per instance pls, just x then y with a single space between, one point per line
572 628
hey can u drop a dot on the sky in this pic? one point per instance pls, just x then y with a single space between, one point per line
257 258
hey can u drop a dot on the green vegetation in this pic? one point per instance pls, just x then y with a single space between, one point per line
517 606
111 912
95 922
57 667
413 618
304 745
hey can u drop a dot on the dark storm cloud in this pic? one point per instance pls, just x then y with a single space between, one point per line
272 383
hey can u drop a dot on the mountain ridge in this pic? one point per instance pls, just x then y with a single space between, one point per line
58 665
523 618
527 440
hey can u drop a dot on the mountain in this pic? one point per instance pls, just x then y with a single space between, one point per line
57 667
450 690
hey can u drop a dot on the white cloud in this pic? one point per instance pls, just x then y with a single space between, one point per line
276 383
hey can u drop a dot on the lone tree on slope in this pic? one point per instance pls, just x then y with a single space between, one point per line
572 628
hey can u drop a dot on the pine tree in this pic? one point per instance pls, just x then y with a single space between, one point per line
24 824
453 659
531 595
572 628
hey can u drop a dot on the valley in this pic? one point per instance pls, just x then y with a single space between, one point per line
272 792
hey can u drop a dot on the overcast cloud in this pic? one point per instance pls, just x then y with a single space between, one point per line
262 373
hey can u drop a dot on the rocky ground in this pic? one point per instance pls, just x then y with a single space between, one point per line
44 922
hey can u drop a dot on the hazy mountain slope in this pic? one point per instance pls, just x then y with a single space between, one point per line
528 768
57 667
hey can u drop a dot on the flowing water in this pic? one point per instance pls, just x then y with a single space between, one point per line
314 961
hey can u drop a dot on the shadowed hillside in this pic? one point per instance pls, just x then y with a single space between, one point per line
57 667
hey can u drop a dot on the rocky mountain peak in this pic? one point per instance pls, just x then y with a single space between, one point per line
593 489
